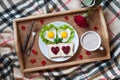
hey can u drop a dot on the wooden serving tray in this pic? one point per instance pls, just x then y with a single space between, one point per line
96 19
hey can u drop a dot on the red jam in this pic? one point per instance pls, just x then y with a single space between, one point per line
55 50
66 49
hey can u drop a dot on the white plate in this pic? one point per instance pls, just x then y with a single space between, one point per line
44 48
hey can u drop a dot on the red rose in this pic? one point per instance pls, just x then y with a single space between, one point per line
81 21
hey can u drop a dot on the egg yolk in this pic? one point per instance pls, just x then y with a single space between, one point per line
64 34
50 34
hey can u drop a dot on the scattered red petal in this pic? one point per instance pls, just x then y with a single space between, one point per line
33 61
42 21
95 28
43 63
88 53
23 28
80 57
34 51
66 18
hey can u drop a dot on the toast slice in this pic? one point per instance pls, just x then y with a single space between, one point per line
66 49
54 50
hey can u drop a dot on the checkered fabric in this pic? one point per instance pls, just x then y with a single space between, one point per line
9 65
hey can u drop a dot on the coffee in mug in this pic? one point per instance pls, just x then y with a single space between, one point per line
91 41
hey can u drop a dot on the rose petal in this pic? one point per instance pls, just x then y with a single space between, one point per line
80 57
66 18
43 63
34 51
95 28
88 53
33 61
23 28
42 21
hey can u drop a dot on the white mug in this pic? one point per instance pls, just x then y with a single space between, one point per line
91 41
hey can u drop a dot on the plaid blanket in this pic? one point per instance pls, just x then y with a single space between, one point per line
9 65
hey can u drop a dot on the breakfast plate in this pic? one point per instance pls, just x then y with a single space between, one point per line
44 49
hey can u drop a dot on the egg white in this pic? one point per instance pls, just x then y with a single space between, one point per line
46 34
68 32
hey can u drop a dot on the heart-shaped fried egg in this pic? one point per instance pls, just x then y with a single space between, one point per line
50 35
64 34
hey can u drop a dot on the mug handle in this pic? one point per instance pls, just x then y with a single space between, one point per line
101 48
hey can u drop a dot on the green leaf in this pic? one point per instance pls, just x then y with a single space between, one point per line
60 40
56 41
